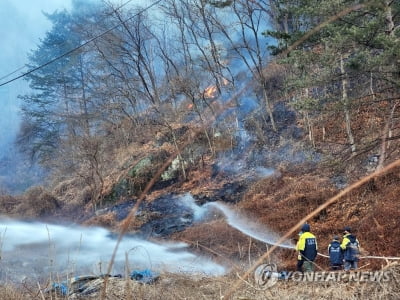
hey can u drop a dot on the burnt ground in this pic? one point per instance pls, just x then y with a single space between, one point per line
165 214
278 202
277 187
277 178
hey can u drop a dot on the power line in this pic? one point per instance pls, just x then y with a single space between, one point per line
78 47
114 9
15 71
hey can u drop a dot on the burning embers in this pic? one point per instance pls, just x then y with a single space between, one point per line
212 90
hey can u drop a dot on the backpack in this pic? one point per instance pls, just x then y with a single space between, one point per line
352 251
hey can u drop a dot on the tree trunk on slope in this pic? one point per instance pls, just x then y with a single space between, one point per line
345 101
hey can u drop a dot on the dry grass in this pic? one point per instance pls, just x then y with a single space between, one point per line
8 292
179 286
7 204
72 193
372 210
35 202
274 199
225 244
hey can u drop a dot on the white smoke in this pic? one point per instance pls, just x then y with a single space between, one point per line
199 212
33 248
264 172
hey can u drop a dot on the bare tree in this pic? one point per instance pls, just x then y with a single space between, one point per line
245 39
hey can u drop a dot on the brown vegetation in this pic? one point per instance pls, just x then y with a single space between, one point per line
36 202
323 102
372 211
178 286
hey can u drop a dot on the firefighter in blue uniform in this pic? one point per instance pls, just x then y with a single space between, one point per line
335 254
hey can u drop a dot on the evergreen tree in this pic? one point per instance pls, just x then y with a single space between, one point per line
347 64
58 105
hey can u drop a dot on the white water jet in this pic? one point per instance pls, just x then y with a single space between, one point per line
34 248
249 227
236 220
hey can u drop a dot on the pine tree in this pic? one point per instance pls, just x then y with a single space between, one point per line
347 64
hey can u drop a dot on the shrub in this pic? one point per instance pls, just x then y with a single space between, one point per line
37 202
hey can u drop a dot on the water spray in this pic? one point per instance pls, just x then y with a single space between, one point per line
35 249
236 220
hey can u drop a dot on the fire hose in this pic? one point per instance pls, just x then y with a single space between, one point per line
366 256
370 256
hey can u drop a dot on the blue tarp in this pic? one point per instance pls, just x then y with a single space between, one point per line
144 276
61 288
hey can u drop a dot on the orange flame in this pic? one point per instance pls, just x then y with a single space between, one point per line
210 92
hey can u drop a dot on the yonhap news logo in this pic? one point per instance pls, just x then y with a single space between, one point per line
267 275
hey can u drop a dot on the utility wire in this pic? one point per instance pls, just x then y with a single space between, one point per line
78 47
9 74
115 9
